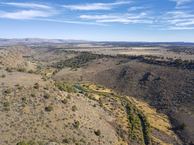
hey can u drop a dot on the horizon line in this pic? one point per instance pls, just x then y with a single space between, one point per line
124 41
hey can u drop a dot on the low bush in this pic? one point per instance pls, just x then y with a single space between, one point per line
66 140
49 108
21 69
7 91
78 61
36 86
27 143
97 132
64 101
65 87
74 108
46 96
76 124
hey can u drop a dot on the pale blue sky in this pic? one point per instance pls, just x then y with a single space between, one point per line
115 20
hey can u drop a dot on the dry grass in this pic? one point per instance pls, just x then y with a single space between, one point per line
98 88
121 143
159 142
157 120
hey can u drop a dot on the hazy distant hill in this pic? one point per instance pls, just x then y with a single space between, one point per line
30 41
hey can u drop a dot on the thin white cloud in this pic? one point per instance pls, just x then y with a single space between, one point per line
181 2
28 5
71 22
187 23
177 20
37 12
95 6
27 11
126 21
122 18
180 28
179 14
135 8
98 17
24 14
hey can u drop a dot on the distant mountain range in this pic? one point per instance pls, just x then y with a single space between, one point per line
30 41
36 41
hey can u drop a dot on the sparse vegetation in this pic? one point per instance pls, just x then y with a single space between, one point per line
33 95
8 91
49 108
9 69
64 101
46 96
36 86
76 124
66 140
6 106
22 70
66 87
62 106
78 61
29 143
74 108
97 132
30 71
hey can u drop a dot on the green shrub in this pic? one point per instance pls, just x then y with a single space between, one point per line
66 140
76 124
22 70
97 132
21 143
64 101
27 143
65 87
20 87
30 71
46 96
74 108
33 95
49 108
78 61
6 106
36 86
9 69
24 100
7 91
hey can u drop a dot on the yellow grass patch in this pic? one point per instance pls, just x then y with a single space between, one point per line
159 142
121 143
157 120
96 96
99 88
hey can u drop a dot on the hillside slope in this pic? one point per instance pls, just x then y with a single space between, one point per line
78 114
51 106
168 89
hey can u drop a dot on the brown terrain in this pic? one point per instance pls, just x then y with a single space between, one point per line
55 96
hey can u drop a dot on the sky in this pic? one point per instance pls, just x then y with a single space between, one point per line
98 20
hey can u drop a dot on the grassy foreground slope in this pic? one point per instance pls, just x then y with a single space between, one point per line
47 112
